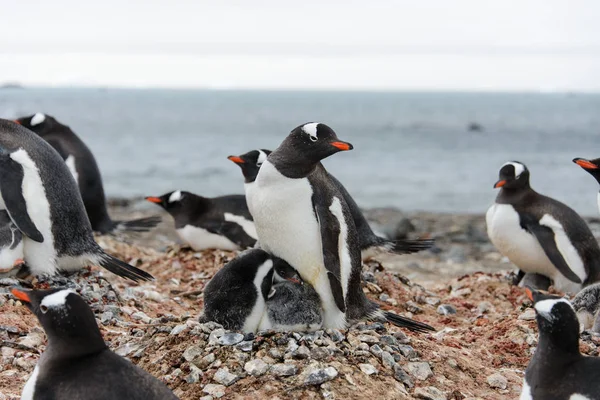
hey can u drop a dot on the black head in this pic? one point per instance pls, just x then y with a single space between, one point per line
285 272
305 147
176 200
591 166
513 175
66 319
250 163
42 124
556 319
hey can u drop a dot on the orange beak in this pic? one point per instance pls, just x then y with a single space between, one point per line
529 293
236 159
20 295
343 146
156 200
585 164
16 121
499 184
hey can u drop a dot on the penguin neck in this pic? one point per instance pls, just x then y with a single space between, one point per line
513 196
291 165
64 348
563 345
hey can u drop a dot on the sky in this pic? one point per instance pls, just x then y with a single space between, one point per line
489 45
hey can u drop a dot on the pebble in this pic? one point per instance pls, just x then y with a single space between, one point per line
217 391
178 329
368 339
528 315
412 307
401 337
230 339
284 369
408 352
432 301
213 339
141 316
335 335
301 353
376 350
384 297
497 381
484 307
245 345
224 377
367 369
429 393
193 352
256 367
317 376
389 340
319 353
401 376
420 370
446 309
387 359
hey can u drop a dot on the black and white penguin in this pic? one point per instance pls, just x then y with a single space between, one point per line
370 243
256 291
209 223
587 306
11 244
541 235
558 371
43 201
593 168
301 216
77 364
83 166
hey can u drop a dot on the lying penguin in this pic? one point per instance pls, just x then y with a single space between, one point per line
587 306
558 371
209 223
77 364
370 243
256 291
83 166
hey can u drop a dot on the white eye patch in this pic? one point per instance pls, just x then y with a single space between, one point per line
519 168
57 299
311 130
544 307
175 196
37 119
262 156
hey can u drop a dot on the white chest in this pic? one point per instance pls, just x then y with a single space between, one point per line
248 187
201 239
29 388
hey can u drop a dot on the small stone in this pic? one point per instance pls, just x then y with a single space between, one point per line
497 381
275 353
335 335
178 329
384 297
388 340
484 307
317 376
256 367
195 374
376 350
192 352
452 362
528 315
368 339
412 307
429 393
292 346
387 359
230 339
401 376
106 316
446 309
217 391
284 369
420 370
462 292
224 377
205 361
401 337
319 353
245 346
141 316
363 347
432 301
34 339
368 369
408 352
301 353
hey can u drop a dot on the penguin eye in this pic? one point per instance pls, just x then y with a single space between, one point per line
43 309
313 138
258 164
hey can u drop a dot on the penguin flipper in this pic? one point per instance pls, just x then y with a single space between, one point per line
11 189
231 231
546 237
330 235
123 269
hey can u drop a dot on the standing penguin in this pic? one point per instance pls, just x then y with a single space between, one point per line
11 244
256 291
541 235
370 243
43 201
83 166
77 364
301 216
209 223
558 371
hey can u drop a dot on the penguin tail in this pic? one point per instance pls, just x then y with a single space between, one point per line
135 225
407 323
403 246
123 269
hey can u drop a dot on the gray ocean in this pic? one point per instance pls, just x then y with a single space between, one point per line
413 151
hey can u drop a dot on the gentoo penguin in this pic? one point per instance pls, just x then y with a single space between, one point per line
541 235
209 223
11 244
256 291
587 306
302 217
558 371
82 164
370 243
76 363
43 201
593 167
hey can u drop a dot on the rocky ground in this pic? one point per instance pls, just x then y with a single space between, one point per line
485 331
